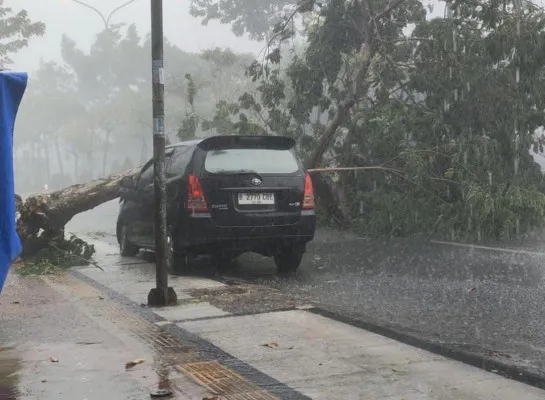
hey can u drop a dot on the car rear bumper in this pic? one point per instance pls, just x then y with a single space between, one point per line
202 235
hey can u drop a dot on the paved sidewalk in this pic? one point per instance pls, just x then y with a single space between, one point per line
56 344
289 353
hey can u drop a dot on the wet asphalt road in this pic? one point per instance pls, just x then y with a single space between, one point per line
485 301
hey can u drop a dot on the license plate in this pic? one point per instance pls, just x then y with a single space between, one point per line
247 199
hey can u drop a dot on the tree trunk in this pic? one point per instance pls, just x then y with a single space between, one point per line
59 155
76 167
105 154
366 54
42 217
143 150
323 189
357 86
47 160
327 201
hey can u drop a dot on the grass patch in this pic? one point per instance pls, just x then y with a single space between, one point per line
37 269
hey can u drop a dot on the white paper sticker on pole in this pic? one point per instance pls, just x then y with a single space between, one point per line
162 76
159 126
158 72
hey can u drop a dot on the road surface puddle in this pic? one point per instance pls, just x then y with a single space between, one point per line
10 365
89 370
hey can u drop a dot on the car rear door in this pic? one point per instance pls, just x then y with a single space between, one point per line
142 195
176 185
146 189
251 181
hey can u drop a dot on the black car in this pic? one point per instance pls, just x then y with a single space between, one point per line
226 195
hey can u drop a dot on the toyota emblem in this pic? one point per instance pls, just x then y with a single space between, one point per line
256 181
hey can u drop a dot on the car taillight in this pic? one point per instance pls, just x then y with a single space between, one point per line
196 202
308 199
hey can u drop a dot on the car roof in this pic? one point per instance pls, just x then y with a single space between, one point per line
221 140
187 143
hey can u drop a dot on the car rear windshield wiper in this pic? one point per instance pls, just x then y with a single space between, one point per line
236 172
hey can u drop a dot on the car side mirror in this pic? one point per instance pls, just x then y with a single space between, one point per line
127 182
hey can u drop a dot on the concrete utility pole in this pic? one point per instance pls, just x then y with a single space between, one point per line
162 295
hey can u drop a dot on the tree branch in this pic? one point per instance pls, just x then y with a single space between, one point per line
366 54
410 39
286 22
389 8
367 13
343 169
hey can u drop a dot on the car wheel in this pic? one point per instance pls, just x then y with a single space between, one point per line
126 247
289 259
177 262
222 262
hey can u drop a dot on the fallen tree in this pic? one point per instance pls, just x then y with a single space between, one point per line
42 218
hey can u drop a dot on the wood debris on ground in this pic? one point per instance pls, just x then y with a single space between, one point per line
132 363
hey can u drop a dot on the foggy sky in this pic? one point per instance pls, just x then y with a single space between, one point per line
82 24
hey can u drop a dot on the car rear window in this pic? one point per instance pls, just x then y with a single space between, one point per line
262 161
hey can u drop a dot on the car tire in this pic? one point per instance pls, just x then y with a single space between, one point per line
126 247
222 262
177 262
289 259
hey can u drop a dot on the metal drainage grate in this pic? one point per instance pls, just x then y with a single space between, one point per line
222 381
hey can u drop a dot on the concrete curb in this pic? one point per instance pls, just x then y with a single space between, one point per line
485 363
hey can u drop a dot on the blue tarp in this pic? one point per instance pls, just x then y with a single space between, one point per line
12 88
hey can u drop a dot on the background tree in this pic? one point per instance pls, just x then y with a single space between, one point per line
114 68
225 74
49 110
100 100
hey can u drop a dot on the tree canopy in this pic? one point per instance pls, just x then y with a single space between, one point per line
252 17
16 29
